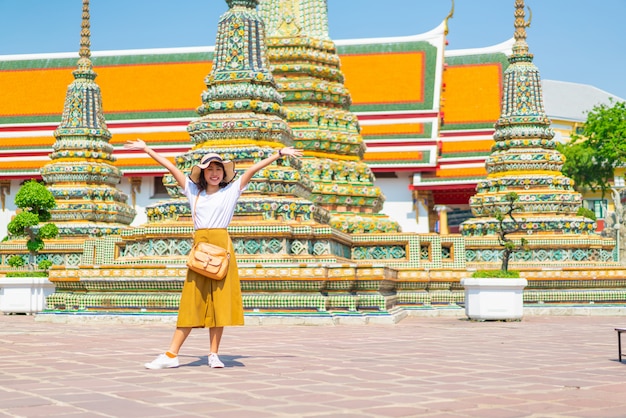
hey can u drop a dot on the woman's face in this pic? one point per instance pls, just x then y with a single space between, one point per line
214 174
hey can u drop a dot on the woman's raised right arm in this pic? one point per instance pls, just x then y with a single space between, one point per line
139 144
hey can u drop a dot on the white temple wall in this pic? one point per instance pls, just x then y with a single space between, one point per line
9 209
141 198
145 196
399 202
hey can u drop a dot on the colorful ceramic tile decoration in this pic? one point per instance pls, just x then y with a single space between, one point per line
293 212
82 176
524 160
307 71
242 119
291 92
308 234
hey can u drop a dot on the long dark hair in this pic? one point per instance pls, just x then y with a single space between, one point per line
202 183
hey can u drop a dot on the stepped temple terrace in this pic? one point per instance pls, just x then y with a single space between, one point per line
391 205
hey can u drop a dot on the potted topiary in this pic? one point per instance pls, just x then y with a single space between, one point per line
498 294
25 291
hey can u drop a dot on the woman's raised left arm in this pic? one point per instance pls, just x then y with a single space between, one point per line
250 172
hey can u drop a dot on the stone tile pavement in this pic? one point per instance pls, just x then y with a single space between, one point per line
543 366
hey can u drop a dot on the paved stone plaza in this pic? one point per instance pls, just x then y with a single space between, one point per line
543 366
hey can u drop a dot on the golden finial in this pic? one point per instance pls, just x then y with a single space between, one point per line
520 48
85 43
520 22
450 16
84 62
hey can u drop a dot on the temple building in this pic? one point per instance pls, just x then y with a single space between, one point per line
424 137
525 180
347 229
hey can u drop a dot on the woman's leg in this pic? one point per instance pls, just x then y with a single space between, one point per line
215 334
170 358
180 335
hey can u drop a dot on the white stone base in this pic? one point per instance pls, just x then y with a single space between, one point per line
494 299
24 294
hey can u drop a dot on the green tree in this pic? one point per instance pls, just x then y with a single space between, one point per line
507 224
35 202
591 158
505 228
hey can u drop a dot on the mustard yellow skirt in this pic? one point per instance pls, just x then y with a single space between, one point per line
206 303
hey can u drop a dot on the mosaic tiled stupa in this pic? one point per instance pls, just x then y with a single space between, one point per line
242 119
524 160
82 176
306 66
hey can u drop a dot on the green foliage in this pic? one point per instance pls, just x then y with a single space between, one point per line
592 157
587 213
44 264
505 228
16 261
35 202
36 197
491 274
585 167
21 222
606 125
35 244
27 274
48 231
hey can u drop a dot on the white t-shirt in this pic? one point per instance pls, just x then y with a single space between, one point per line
215 210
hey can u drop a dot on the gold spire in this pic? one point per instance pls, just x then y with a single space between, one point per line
84 62
521 47
450 16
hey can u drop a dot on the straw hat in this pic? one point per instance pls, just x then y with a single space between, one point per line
229 168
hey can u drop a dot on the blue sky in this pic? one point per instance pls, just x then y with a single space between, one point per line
579 41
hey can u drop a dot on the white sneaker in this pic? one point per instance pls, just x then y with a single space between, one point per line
215 362
162 362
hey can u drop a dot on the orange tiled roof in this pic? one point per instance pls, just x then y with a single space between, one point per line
154 95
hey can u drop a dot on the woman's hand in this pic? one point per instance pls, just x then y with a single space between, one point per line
137 144
290 151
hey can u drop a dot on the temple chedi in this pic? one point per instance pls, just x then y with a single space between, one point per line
306 67
242 119
82 176
524 160
284 89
